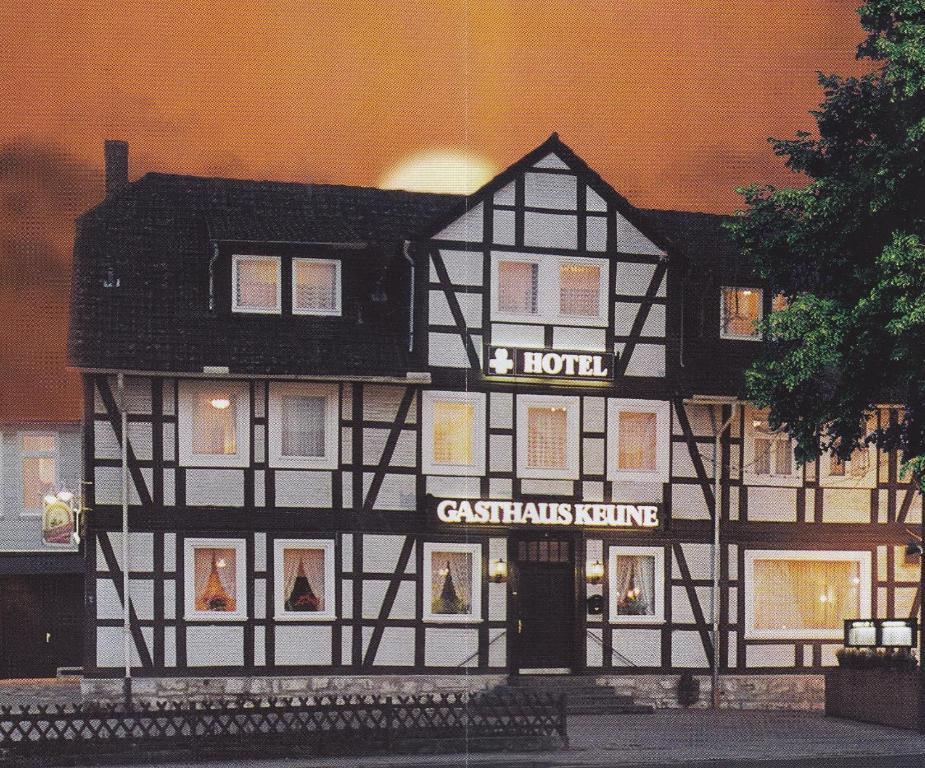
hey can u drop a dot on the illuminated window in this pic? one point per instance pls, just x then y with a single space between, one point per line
637 579
547 445
798 594
579 289
215 579
638 440
213 423
857 471
304 579
454 573
768 452
303 425
257 284
454 425
39 468
315 287
518 287
740 310
779 302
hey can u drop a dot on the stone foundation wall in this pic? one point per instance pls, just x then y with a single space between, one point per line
202 688
787 692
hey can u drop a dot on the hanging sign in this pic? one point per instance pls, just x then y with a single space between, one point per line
57 522
547 363
555 513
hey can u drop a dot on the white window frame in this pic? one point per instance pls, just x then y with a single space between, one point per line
658 587
795 478
479 426
864 593
338 308
331 426
235 307
724 334
279 598
189 574
548 299
55 454
662 411
475 588
571 404
240 392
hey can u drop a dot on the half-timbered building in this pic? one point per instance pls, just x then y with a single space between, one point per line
380 438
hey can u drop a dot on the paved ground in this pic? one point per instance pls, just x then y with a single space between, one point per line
40 691
679 738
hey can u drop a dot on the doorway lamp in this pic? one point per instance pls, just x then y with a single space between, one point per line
594 572
497 571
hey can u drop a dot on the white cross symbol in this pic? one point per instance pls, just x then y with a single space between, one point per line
501 362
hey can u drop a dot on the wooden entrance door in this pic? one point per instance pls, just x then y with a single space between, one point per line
544 603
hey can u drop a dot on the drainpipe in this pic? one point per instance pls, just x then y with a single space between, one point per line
405 251
715 565
126 551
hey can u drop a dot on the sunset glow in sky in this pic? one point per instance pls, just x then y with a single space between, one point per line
672 102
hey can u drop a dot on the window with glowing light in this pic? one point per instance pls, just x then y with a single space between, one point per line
518 287
215 579
257 284
316 287
579 289
304 579
303 425
454 575
858 471
39 469
638 440
213 423
769 457
740 311
637 584
799 594
547 440
453 433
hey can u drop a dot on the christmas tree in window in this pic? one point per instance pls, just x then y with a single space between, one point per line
214 596
449 600
302 597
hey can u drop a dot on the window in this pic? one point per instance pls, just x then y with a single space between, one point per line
799 594
454 429
454 573
637 584
304 579
257 284
740 310
39 468
316 287
215 579
550 288
638 440
859 471
779 302
214 424
547 440
769 458
304 426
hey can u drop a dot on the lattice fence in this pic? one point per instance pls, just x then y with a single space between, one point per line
319 724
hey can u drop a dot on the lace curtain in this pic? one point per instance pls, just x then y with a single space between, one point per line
635 585
547 438
303 428
805 594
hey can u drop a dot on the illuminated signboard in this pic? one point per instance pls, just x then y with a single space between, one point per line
545 363
57 522
551 513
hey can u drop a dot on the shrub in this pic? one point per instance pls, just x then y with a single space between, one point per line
877 658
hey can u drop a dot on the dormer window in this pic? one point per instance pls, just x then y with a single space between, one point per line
316 287
257 284
740 311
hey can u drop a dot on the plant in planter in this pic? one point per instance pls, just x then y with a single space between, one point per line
898 659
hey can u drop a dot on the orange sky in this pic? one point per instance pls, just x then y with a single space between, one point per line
670 101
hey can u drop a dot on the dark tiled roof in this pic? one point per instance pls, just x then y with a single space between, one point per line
156 237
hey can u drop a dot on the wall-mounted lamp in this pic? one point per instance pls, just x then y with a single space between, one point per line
594 571
497 571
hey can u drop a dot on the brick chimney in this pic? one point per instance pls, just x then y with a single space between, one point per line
115 154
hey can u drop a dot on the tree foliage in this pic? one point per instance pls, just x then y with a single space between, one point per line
847 249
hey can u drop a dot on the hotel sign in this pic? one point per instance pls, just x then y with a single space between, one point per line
552 513
545 363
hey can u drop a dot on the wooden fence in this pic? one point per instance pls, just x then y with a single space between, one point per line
326 724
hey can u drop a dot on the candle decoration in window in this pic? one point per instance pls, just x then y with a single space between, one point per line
595 571
635 584
451 583
304 583
216 584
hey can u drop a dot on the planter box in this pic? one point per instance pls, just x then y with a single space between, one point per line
883 696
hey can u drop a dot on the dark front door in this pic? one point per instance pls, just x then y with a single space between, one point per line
544 603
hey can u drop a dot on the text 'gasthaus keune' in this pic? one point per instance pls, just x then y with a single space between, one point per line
501 512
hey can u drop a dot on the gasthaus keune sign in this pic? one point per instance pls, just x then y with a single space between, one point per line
547 363
552 513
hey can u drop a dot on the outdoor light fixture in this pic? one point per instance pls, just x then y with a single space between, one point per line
497 571
595 571
220 403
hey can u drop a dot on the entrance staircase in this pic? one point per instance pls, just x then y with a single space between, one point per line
582 695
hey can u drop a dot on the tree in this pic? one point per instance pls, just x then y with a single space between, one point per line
846 250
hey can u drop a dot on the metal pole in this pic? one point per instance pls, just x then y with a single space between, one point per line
715 564
921 618
126 554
